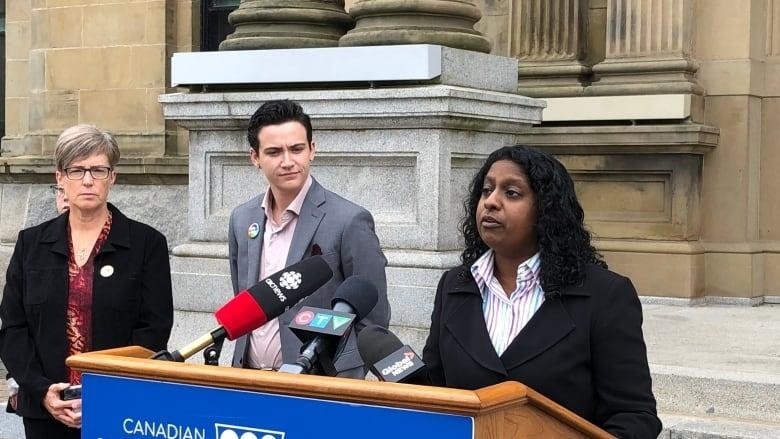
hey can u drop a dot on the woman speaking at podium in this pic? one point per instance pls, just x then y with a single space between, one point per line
534 302
87 280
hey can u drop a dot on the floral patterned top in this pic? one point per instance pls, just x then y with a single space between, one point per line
79 313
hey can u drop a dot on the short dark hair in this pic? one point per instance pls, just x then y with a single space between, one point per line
564 242
276 113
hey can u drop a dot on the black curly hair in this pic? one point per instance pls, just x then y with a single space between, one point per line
564 242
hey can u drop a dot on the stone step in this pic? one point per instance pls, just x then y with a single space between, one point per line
689 427
10 424
746 396
716 361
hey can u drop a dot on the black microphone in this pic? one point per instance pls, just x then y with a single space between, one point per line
264 301
389 359
355 296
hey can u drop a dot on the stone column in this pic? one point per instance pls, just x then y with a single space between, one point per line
550 42
286 24
444 22
648 49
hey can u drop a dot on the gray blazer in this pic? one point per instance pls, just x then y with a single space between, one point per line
345 234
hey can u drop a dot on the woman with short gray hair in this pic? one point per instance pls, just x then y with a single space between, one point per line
83 141
87 280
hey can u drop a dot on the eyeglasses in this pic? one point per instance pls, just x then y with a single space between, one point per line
97 172
56 190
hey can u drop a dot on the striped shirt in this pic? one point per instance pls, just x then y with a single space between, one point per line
506 315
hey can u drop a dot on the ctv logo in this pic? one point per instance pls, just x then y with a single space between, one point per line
311 320
320 320
225 431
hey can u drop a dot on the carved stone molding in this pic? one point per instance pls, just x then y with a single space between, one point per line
639 182
286 24
444 22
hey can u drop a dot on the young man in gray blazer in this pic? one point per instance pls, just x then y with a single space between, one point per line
297 218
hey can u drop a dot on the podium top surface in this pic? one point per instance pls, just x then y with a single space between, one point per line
133 362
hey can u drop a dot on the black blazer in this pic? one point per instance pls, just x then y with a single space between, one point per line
583 349
131 306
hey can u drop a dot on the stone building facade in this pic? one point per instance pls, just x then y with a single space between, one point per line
665 111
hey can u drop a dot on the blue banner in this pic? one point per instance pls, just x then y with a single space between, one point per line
117 407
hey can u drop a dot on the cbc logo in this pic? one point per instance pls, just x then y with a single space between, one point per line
230 434
238 432
290 280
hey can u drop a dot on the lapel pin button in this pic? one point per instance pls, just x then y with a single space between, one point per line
107 271
253 231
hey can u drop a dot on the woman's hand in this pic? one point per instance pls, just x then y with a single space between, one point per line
67 412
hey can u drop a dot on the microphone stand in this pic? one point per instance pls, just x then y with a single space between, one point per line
164 356
216 335
211 353
305 361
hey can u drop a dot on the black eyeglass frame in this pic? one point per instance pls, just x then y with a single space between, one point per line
78 173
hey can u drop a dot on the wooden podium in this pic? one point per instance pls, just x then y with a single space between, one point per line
127 395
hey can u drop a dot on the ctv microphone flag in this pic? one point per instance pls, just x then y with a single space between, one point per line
310 322
324 331
320 330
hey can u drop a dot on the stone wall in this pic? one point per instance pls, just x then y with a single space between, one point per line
92 61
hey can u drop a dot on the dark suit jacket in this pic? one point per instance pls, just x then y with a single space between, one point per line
132 306
344 234
583 348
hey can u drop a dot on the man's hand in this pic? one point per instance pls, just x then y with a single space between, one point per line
67 412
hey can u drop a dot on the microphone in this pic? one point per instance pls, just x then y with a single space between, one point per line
264 301
389 359
352 301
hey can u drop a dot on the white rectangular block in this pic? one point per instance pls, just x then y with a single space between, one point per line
413 62
635 107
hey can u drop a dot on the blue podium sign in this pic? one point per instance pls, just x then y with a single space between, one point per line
118 407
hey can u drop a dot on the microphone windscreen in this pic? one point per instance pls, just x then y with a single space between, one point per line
272 296
376 343
359 293
241 315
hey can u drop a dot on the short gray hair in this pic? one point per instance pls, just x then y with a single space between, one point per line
82 141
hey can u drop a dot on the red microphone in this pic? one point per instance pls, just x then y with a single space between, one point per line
253 307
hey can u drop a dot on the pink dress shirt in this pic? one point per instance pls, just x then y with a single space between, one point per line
265 348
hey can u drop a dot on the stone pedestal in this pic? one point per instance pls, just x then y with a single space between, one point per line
405 153
282 24
550 45
445 22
